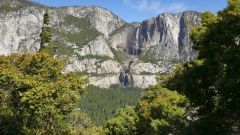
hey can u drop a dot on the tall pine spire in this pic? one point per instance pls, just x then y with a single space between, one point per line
46 35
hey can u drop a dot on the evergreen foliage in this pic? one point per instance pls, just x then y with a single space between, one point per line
212 81
46 35
36 98
124 124
102 104
158 112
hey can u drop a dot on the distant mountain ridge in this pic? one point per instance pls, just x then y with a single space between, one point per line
101 45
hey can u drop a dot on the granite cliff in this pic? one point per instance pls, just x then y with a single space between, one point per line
98 43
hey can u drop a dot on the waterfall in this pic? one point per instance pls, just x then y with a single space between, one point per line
137 42
124 78
148 36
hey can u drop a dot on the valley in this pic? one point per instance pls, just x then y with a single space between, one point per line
104 48
83 70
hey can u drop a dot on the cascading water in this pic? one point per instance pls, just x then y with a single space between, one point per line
148 36
125 77
136 43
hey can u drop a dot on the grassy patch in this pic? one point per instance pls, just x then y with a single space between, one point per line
101 104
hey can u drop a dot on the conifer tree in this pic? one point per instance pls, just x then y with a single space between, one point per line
46 35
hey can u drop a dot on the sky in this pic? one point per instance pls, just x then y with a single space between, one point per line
139 10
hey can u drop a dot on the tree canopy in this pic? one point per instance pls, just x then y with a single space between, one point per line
212 81
36 97
160 111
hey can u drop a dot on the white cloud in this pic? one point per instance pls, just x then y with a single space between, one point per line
156 6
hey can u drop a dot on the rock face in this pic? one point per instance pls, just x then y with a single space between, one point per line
166 37
20 30
99 44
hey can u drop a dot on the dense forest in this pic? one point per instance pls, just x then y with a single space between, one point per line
196 98
101 104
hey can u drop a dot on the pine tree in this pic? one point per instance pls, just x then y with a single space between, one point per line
46 35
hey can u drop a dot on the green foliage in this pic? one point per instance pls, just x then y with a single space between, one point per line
46 18
101 104
124 123
82 124
213 79
46 35
162 111
36 98
159 112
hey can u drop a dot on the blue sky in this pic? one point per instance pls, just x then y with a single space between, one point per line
139 10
